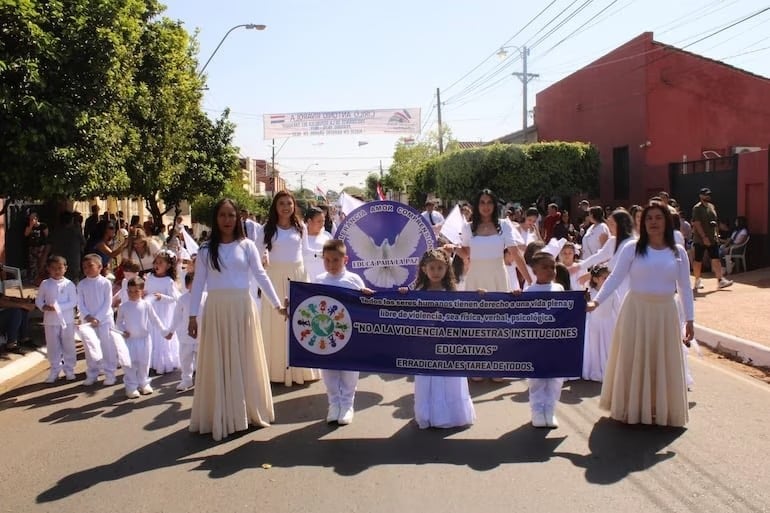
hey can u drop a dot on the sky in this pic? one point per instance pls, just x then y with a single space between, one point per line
344 55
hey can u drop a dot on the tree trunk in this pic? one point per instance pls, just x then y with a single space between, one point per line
154 208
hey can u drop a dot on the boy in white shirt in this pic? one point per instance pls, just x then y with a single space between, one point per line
188 346
544 393
134 318
57 298
130 270
95 307
340 384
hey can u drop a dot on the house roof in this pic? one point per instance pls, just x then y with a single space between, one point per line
708 59
464 145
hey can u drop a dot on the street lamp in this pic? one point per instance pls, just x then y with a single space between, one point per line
249 26
523 76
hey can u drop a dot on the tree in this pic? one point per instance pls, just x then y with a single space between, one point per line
202 207
352 190
66 80
372 181
166 112
210 164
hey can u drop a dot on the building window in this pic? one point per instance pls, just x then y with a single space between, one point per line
621 178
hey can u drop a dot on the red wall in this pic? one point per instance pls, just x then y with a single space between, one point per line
644 91
604 104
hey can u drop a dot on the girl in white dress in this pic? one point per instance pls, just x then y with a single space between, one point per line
282 245
162 293
596 234
599 328
312 250
232 389
483 241
440 401
644 379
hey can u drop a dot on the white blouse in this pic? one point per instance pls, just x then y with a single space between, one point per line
237 260
488 247
655 273
287 245
312 253
591 243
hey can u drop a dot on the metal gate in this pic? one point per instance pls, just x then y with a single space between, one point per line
720 175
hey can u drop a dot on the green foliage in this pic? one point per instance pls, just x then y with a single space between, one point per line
371 186
354 191
513 172
202 208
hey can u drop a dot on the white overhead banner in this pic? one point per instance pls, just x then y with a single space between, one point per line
342 122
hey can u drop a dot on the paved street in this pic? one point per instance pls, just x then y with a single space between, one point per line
68 448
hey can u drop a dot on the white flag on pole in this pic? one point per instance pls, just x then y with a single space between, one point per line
348 203
452 228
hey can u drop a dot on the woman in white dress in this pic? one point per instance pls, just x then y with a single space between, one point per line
312 250
484 240
596 234
645 378
232 389
282 245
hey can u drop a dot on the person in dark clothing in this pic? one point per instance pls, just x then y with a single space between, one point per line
68 241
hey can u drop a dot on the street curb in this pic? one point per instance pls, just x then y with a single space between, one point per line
748 351
20 370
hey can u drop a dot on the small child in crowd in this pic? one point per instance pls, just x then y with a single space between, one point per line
135 320
544 393
510 267
188 346
599 328
440 401
568 257
95 307
131 269
340 384
57 297
161 290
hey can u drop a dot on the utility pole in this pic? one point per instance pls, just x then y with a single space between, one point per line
380 170
272 173
440 127
525 78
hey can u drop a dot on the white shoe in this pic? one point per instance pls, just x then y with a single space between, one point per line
89 381
52 378
334 413
183 386
724 282
550 419
538 419
698 284
346 417
133 394
146 390
109 381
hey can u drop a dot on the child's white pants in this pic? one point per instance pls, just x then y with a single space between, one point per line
340 387
60 347
138 375
544 393
188 354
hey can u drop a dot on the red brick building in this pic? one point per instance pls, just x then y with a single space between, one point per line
649 107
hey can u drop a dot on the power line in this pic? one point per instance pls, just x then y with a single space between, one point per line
549 22
505 43
577 30
566 20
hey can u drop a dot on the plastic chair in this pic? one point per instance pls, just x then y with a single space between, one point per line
7 270
736 255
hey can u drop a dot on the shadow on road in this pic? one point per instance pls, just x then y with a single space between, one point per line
310 446
616 450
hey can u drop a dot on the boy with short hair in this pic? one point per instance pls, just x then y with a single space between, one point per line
57 298
131 269
340 384
544 393
95 307
134 322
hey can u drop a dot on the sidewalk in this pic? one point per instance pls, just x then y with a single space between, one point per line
734 321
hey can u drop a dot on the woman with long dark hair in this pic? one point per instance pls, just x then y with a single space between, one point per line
101 244
645 380
232 389
597 233
283 242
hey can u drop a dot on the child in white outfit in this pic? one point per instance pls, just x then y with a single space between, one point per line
188 346
599 328
440 401
57 298
340 384
95 307
136 317
544 393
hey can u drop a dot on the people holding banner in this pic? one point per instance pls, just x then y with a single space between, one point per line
283 241
544 393
340 384
232 389
483 240
644 380
440 401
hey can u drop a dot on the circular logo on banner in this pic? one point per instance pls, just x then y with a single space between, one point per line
321 325
385 240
